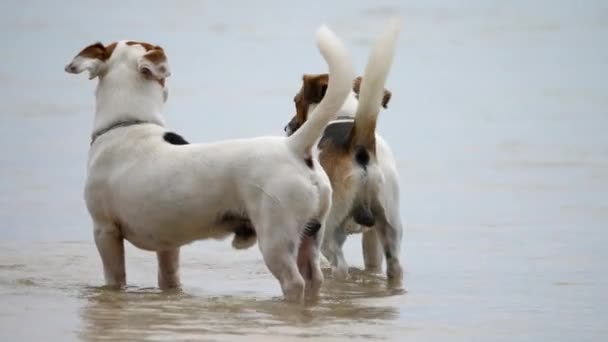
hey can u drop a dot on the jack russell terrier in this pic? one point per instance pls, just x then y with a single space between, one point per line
149 186
361 168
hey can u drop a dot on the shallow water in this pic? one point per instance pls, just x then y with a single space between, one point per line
498 120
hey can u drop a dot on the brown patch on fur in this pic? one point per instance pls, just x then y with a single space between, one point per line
357 87
337 148
145 45
312 91
110 49
364 136
364 131
98 51
155 54
337 163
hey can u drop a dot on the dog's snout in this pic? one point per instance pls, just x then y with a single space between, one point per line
290 128
70 68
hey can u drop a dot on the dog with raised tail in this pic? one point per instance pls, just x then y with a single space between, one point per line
360 165
152 188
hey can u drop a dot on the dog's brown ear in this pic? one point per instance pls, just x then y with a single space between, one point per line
385 99
92 59
154 64
312 91
314 87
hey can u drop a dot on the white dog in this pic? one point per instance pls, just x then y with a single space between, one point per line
360 166
152 188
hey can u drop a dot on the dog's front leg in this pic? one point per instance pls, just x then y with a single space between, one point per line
168 269
110 245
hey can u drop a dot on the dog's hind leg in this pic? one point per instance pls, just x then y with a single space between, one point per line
168 269
309 264
390 233
279 247
372 251
332 249
110 245
281 260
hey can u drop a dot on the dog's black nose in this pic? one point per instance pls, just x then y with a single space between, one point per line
70 68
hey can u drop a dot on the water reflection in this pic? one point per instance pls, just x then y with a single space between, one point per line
141 313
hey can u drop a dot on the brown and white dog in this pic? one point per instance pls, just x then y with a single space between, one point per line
361 168
150 187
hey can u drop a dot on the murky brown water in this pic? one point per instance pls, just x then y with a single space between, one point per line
230 295
498 118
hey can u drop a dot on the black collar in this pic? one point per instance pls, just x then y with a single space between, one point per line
118 124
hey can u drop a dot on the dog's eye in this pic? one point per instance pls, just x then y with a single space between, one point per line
146 72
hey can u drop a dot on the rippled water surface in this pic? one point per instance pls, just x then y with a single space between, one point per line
498 120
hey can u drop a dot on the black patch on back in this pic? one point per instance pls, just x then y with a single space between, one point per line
308 162
363 216
362 156
338 134
174 139
312 227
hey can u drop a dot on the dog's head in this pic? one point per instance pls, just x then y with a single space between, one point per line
385 99
147 61
312 92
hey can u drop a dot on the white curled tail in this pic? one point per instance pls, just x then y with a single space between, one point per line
372 86
341 75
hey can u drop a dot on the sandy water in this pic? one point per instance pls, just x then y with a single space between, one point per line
498 118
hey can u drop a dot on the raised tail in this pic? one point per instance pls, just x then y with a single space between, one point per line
372 87
341 75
